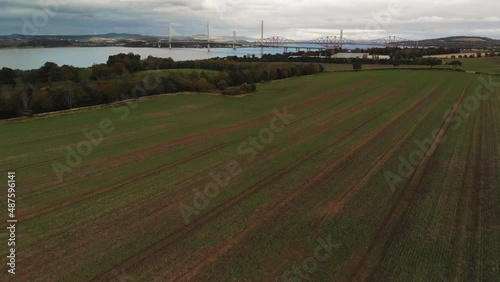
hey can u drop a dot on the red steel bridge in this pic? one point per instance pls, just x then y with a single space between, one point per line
330 42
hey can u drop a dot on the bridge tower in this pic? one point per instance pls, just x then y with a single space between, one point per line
262 39
341 38
234 40
208 32
169 36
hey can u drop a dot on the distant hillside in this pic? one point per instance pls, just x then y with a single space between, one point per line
120 36
463 42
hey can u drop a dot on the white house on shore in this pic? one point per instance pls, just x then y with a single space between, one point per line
360 56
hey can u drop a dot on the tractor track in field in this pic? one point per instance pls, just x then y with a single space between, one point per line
100 148
172 237
317 179
322 127
372 259
42 211
51 180
482 185
238 126
63 133
329 122
344 198
480 181
490 198
474 199
465 205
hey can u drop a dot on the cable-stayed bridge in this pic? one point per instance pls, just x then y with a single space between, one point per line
323 43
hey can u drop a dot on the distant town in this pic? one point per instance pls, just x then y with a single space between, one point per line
196 41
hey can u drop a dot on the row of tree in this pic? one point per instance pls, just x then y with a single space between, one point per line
53 88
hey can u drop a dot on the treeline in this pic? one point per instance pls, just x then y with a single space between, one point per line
124 76
407 56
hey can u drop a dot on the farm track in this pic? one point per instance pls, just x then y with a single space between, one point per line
372 258
267 181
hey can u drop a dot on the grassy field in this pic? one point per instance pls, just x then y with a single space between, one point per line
489 65
186 71
348 176
348 67
485 65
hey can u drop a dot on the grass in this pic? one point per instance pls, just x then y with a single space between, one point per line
484 65
117 214
348 67
488 65
185 71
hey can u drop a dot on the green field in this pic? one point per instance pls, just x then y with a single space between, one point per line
296 179
490 65
485 65
186 71
348 67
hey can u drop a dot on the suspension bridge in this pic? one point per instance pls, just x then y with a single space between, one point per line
323 43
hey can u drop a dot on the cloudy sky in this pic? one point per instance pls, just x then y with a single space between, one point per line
294 19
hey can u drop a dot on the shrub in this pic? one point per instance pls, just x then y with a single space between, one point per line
231 91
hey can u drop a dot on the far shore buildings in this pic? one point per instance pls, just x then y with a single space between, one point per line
360 56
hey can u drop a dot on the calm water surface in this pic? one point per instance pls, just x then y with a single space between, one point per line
34 58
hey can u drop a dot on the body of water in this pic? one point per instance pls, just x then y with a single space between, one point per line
34 58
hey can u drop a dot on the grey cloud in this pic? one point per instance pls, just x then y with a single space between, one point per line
294 18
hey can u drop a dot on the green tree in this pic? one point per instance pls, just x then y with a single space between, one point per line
455 64
48 72
203 85
432 62
7 76
395 63
357 65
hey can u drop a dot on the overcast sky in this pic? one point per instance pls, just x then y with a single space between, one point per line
294 19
